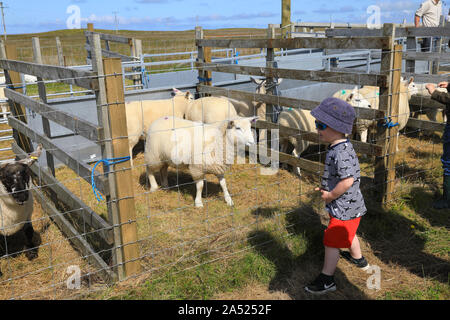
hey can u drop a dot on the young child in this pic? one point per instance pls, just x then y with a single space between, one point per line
444 98
340 191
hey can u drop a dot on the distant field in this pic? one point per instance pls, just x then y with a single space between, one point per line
73 42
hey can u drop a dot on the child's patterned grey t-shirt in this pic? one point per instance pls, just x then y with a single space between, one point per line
342 162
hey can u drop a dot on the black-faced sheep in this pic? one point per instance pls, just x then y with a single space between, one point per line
16 201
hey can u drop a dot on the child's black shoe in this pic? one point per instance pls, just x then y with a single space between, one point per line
360 263
321 285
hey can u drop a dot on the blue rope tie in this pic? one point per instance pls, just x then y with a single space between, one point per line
108 163
14 88
388 123
204 79
237 55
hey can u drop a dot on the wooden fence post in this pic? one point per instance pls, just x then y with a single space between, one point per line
203 56
136 51
59 50
121 255
90 28
393 132
270 63
435 64
122 172
14 81
2 50
410 65
385 137
37 57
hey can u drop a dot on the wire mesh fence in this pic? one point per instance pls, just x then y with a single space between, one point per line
78 244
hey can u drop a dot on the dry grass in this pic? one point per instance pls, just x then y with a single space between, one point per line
276 218
171 232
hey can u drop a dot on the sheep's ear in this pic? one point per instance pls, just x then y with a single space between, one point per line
188 95
252 119
350 97
175 91
411 80
32 158
257 81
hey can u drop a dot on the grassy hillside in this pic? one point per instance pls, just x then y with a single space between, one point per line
73 42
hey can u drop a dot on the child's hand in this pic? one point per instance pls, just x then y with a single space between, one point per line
326 196
430 87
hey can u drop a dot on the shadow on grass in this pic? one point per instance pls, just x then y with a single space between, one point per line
404 171
293 270
417 134
265 212
421 201
397 240
181 181
390 235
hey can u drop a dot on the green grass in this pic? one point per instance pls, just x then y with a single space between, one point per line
204 281
275 254
435 291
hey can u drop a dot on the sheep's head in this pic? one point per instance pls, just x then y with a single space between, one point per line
411 86
178 93
261 84
353 98
15 176
240 131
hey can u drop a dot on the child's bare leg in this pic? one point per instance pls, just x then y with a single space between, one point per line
330 261
355 249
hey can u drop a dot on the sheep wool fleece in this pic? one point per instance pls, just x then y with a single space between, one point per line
12 215
342 162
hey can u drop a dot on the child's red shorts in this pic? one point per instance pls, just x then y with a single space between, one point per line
340 234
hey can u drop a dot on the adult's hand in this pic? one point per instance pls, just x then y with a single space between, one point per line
443 84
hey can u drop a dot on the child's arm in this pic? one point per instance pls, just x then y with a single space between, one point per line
338 191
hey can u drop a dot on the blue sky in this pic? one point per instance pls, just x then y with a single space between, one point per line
26 16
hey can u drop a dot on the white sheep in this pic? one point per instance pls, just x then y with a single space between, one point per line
356 99
370 96
3 105
196 146
16 200
210 110
297 119
250 108
141 114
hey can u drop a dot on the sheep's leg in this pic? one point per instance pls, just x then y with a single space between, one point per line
31 252
283 149
226 194
398 137
198 197
164 176
4 110
131 157
364 135
297 155
151 178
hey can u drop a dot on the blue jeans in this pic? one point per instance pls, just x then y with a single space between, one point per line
445 159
